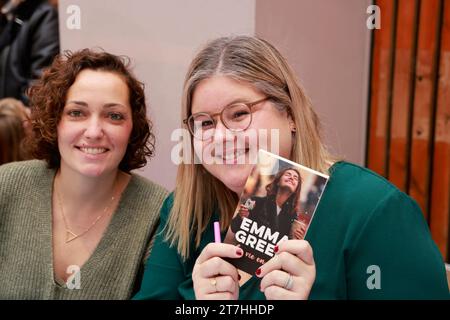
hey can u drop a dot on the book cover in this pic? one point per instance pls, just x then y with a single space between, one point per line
278 203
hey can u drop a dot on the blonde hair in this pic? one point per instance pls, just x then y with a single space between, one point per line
251 60
12 131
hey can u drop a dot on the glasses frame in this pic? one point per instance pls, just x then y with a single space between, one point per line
250 105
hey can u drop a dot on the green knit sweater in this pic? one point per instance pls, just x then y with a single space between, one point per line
114 269
364 229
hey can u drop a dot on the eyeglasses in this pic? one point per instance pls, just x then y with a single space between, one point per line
235 117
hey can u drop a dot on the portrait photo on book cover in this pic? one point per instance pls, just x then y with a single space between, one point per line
278 203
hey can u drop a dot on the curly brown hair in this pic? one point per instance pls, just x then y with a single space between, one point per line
48 97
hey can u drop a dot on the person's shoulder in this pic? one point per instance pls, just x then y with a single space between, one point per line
167 206
360 191
21 169
146 183
352 177
23 176
357 199
147 188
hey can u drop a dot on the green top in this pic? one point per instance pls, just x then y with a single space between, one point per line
361 221
26 259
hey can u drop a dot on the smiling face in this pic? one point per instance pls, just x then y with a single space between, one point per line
289 180
96 124
231 160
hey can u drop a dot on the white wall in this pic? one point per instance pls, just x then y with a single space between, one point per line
327 43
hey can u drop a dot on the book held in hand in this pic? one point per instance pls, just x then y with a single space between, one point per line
278 203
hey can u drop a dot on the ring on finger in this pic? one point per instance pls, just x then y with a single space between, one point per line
213 282
289 282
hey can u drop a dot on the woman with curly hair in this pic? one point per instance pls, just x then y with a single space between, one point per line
77 224
282 197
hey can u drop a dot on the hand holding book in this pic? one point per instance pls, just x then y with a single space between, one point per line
277 204
298 229
243 211
213 277
265 238
291 272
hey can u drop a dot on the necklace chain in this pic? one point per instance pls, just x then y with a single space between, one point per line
70 235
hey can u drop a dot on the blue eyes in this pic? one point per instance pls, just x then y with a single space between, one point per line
114 116
75 113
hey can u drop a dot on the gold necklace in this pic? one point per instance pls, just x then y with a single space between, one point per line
70 235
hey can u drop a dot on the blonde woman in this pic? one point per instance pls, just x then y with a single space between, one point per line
363 224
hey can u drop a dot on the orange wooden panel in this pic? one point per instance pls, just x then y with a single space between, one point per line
440 206
426 67
402 92
381 88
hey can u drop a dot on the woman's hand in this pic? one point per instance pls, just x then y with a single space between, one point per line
213 277
243 211
290 274
298 229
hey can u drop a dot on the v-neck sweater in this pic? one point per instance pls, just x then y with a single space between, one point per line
114 269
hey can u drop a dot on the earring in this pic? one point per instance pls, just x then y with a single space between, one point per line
293 133
293 128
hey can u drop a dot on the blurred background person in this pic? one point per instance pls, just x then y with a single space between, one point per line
14 126
29 40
